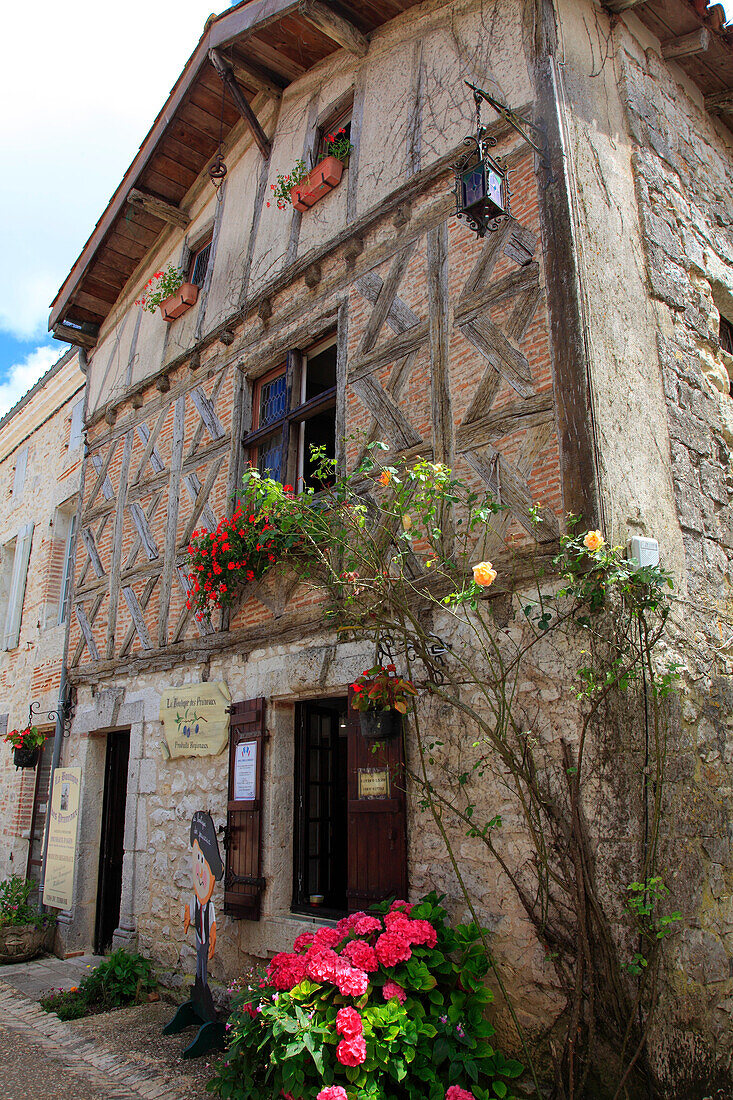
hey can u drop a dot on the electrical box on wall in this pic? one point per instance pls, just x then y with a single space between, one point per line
643 551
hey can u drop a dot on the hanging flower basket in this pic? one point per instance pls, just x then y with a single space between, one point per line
380 725
319 181
26 758
178 303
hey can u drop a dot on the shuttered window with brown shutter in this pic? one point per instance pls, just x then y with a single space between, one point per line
243 881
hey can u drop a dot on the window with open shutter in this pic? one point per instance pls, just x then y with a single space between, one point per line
243 881
350 820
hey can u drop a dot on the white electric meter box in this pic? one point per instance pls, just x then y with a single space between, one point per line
643 551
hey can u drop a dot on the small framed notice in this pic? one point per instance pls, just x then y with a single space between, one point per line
373 782
245 771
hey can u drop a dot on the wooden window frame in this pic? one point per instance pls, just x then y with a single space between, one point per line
340 116
297 410
725 334
195 253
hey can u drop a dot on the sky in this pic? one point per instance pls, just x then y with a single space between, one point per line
80 84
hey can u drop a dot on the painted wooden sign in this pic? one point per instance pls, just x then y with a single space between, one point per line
373 783
58 883
195 719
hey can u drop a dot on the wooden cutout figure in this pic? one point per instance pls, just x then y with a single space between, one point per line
207 869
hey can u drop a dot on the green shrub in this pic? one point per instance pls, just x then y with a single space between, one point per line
122 979
16 906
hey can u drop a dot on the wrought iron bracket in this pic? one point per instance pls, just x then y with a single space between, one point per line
517 122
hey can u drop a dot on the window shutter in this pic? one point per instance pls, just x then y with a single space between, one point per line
377 859
243 881
21 463
68 570
17 586
76 425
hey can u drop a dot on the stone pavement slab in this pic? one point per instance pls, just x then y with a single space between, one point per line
38 976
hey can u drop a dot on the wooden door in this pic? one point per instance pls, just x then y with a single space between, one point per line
112 847
41 798
377 860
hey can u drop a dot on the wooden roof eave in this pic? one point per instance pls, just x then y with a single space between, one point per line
225 30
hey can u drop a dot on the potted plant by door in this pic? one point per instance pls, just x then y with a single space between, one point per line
166 290
303 187
27 744
381 697
24 933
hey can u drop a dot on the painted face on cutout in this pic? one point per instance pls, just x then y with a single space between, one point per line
203 879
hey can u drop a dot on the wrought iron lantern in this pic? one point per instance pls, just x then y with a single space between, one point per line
481 189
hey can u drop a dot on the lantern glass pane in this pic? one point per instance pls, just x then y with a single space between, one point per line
496 189
473 185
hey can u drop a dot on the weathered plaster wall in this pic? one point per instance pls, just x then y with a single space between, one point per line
31 671
653 199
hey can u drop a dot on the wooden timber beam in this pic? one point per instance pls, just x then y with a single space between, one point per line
721 101
159 208
618 6
255 78
336 27
226 73
687 45
70 335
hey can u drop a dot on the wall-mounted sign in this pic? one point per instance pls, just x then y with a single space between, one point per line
195 719
58 883
373 782
245 771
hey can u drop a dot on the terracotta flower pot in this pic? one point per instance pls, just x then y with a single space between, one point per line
319 181
380 725
175 306
26 758
19 942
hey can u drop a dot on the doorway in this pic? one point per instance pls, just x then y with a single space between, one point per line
111 847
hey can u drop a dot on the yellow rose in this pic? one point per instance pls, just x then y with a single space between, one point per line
484 574
594 540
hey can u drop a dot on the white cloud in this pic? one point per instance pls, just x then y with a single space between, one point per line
23 375
98 76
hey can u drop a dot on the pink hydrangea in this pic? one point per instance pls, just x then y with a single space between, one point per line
286 970
365 924
303 941
422 932
348 1023
361 954
352 982
392 989
333 1092
321 964
403 905
456 1093
392 949
352 1052
327 937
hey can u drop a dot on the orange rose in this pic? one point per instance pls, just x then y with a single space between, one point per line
594 540
484 574
385 477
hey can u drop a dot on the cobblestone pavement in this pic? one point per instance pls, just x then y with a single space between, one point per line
44 1058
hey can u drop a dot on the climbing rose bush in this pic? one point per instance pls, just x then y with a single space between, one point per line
388 1005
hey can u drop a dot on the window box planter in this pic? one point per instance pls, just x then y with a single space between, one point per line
380 725
26 758
178 303
320 180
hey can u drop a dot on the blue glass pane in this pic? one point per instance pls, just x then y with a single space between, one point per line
496 191
270 457
272 400
473 183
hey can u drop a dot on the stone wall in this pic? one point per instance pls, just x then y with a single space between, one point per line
31 671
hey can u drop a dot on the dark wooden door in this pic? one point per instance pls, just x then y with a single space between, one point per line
111 848
376 825
41 797
243 879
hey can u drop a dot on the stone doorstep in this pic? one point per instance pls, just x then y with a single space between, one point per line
120 1081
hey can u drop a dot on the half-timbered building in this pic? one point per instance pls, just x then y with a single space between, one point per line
564 361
